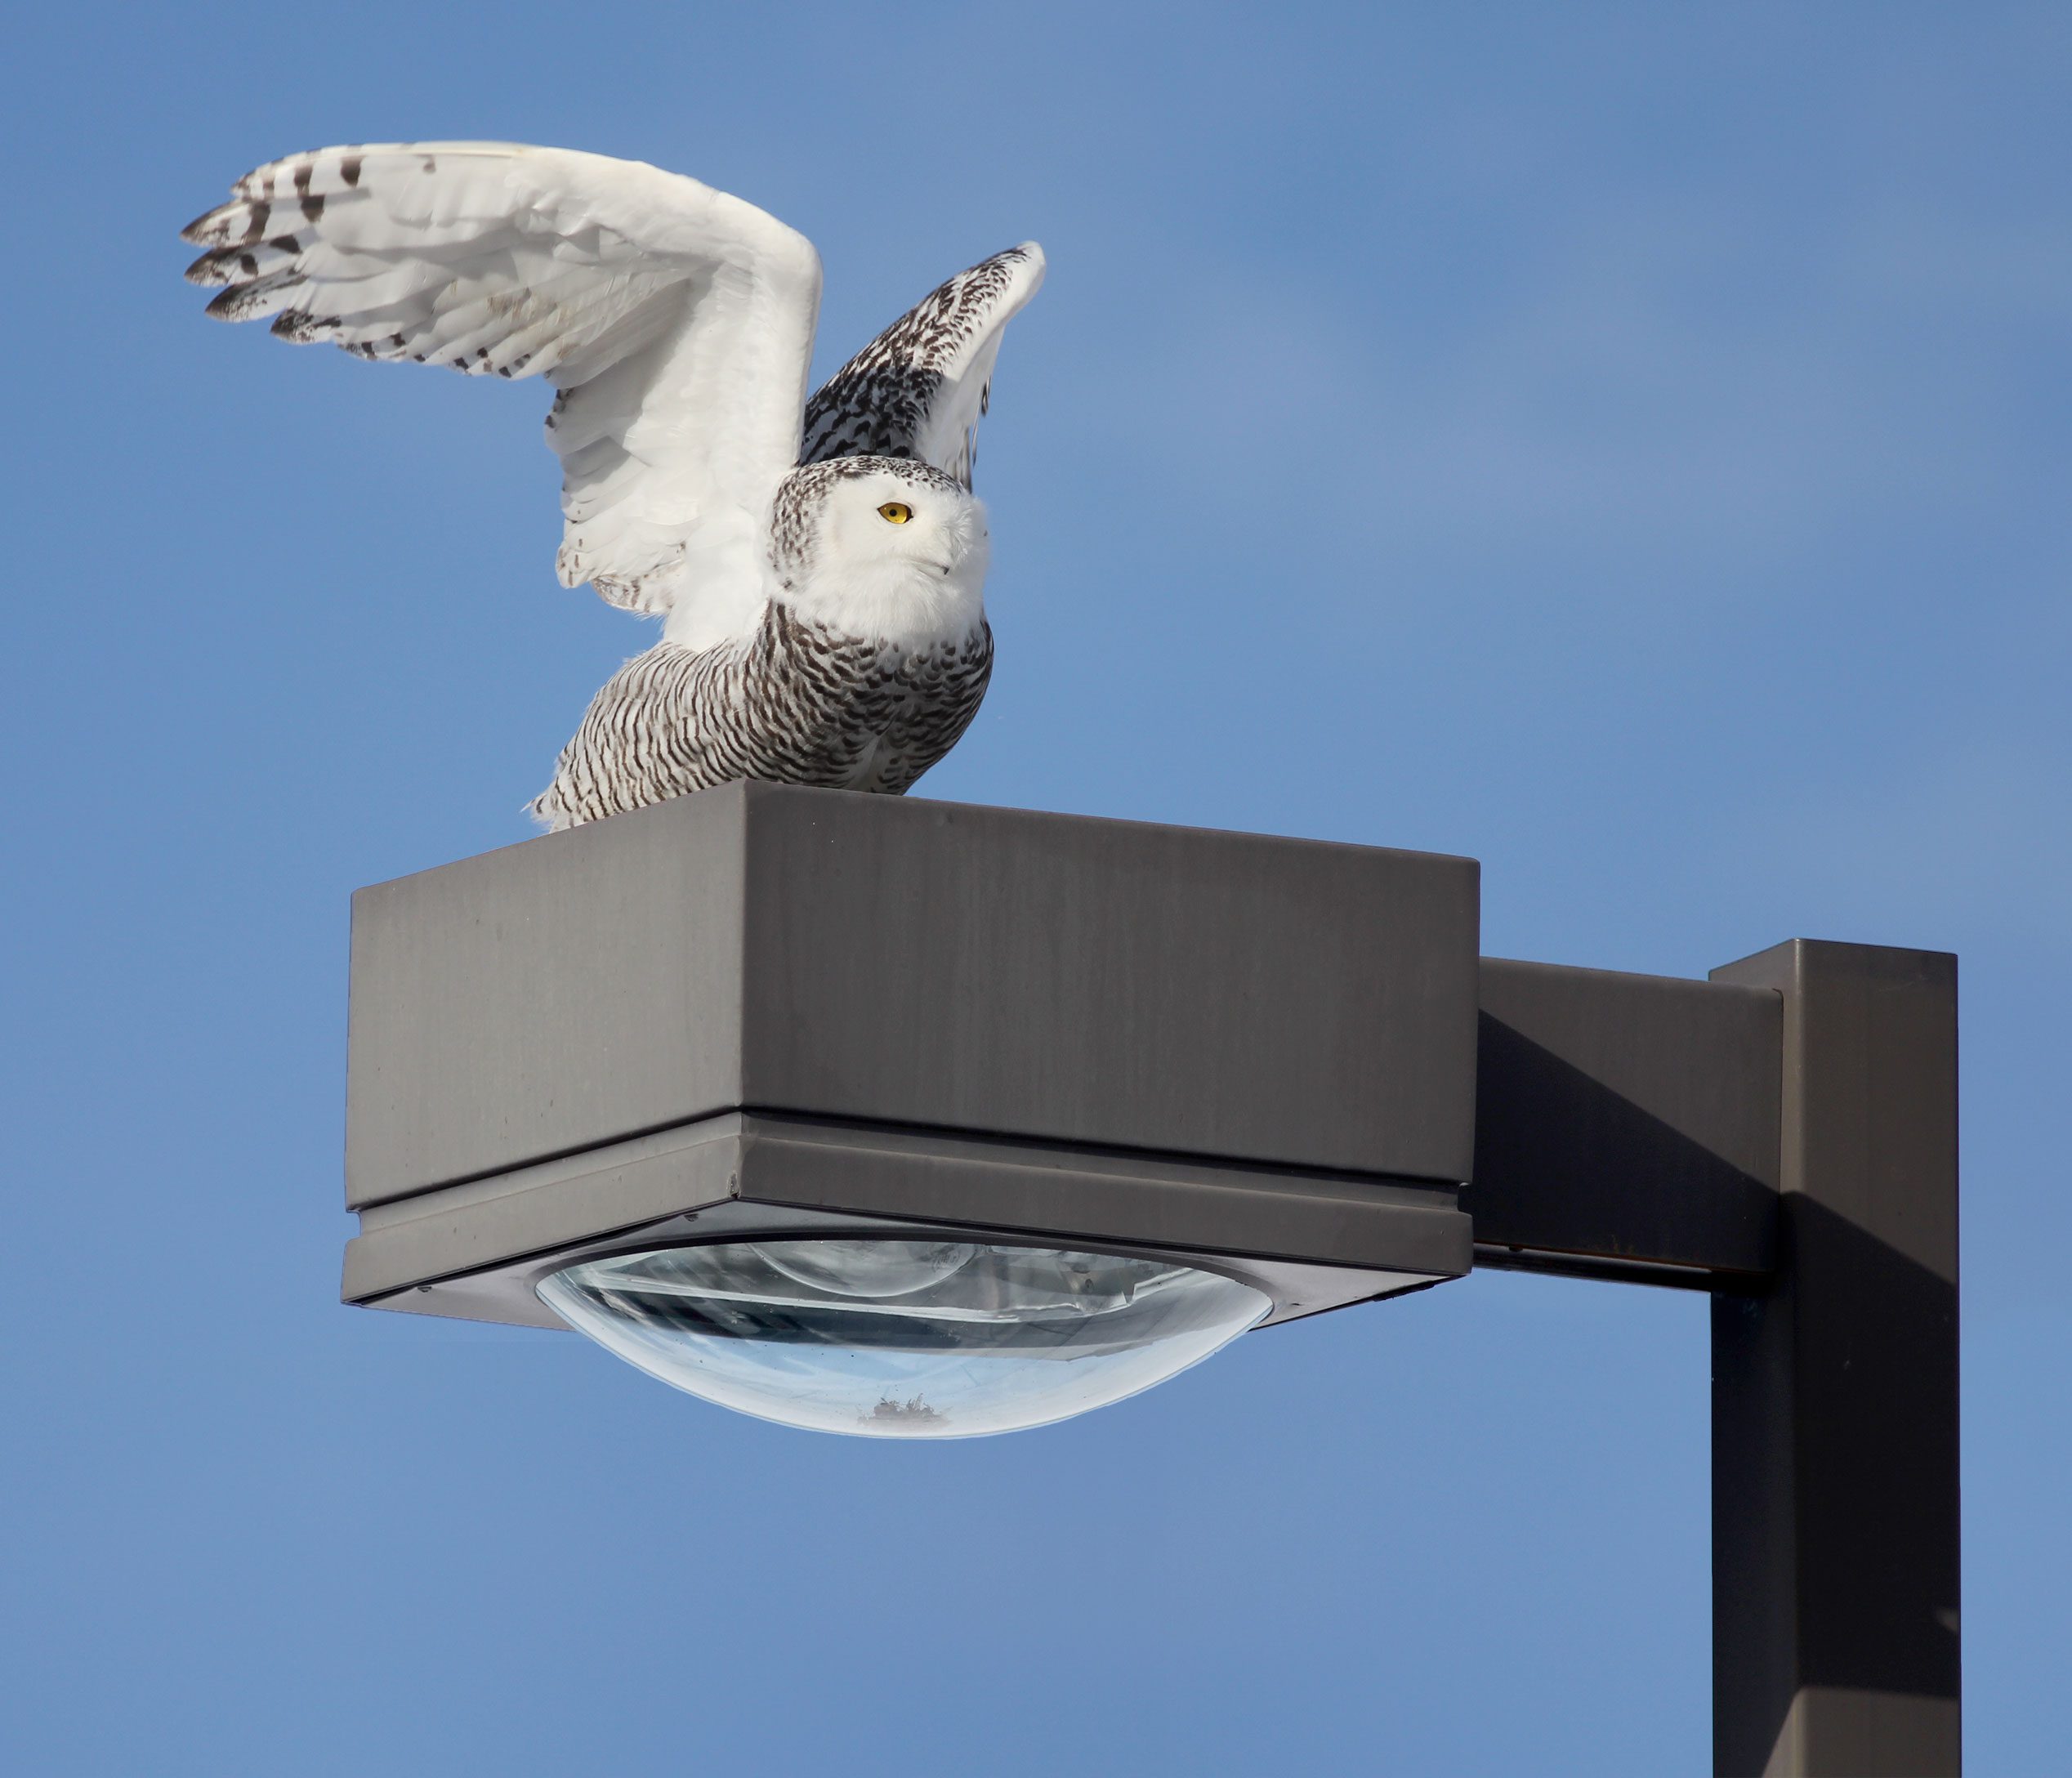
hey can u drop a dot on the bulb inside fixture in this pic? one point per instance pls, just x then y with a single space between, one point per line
872 1269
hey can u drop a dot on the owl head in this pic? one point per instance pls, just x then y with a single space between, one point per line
880 546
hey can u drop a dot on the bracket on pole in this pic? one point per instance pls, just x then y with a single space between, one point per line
1783 1136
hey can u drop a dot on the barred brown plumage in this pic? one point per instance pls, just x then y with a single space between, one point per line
797 703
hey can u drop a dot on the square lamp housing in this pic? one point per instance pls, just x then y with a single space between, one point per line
767 1013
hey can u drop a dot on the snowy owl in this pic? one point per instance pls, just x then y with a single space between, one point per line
819 565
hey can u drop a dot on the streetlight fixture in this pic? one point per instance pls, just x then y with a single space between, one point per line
912 1119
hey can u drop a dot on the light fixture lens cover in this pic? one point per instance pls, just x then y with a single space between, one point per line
903 1338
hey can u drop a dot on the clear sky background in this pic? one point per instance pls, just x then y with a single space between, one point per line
1627 444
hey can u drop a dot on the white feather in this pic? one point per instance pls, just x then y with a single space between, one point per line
677 322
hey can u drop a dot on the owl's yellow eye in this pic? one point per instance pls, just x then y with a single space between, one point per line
896 512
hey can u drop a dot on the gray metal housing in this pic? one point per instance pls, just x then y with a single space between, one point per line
763 1006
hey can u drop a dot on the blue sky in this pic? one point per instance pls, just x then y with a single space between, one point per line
1627 444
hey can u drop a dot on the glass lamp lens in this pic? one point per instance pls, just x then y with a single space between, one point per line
903 1339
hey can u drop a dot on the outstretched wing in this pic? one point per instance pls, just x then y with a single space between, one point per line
917 390
675 321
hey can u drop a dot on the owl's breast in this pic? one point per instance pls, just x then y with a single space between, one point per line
798 703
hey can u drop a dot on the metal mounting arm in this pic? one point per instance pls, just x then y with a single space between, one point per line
1784 1136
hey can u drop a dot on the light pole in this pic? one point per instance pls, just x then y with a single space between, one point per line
777 1091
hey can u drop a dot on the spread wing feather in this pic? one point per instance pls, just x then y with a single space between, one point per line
918 390
677 323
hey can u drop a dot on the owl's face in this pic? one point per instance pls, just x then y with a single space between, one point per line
880 546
